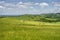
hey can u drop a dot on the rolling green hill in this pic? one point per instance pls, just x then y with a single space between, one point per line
30 27
51 17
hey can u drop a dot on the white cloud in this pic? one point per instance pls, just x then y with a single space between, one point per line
22 7
20 3
44 4
2 7
25 5
56 3
1 2
32 7
36 3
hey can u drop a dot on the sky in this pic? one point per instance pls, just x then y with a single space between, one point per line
18 7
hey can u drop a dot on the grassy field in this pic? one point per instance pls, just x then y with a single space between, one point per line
14 29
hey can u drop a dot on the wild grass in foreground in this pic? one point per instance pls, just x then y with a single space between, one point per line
13 29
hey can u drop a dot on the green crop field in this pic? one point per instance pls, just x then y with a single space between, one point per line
14 29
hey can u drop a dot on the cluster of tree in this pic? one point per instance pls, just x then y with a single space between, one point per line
51 17
42 17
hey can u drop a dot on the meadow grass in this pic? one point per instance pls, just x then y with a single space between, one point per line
14 29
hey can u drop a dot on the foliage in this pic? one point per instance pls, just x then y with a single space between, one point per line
30 27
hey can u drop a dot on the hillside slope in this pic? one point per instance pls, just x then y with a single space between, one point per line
16 29
52 17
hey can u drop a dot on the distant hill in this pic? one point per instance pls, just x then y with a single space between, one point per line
51 17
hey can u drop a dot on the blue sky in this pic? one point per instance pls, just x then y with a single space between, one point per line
18 7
